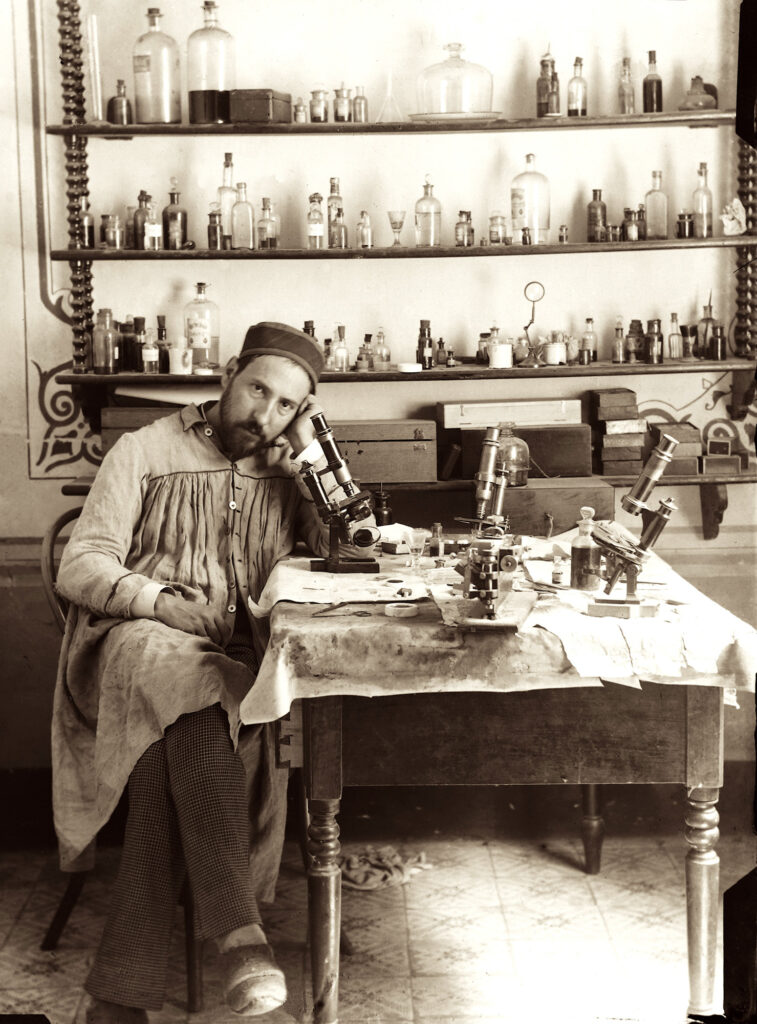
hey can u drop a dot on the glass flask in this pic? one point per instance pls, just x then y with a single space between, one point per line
697 98
656 203
267 234
389 112
529 200
315 221
675 339
652 87
596 217
227 196
333 203
104 343
513 456
626 99
119 107
702 206
174 220
585 555
455 86
364 232
382 356
155 59
428 217
210 70
577 91
544 84
202 328
242 220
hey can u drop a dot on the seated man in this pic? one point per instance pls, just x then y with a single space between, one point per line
185 520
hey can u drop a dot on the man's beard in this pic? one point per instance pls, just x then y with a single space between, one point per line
242 441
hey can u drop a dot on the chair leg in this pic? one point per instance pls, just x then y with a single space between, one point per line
193 949
62 914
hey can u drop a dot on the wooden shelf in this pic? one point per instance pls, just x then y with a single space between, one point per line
467 371
691 119
409 252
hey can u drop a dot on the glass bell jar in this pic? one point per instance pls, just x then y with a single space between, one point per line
455 86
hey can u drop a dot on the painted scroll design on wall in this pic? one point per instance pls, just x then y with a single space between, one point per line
67 438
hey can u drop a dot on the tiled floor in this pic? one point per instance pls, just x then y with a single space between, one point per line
504 926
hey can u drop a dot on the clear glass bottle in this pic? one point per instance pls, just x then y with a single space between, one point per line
596 215
675 339
360 106
585 555
140 216
342 104
382 356
428 217
455 86
513 455
215 229
267 228
174 220
119 106
464 235
155 59
150 354
365 356
315 221
626 99
497 228
652 87
577 91
529 199
553 100
153 229
589 339
364 232
114 232
340 352
104 343
702 205
632 227
210 70
227 196
656 203
333 203
202 328
619 342
319 106
543 84
338 236
242 220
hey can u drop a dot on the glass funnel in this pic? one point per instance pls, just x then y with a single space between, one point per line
455 86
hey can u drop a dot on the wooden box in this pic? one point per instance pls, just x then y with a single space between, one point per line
563 450
388 451
259 105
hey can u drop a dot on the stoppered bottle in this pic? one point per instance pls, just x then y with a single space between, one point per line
210 70
543 84
675 339
333 203
585 555
577 91
215 229
174 220
104 343
364 232
464 235
227 196
428 217
529 204
202 328
315 221
242 220
596 215
153 229
119 106
652 87
360 106
513 455
268 233
155 60
626 99
656 203
702 206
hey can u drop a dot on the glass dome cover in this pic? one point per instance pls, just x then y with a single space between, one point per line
455 86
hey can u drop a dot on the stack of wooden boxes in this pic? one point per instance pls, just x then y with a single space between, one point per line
620 435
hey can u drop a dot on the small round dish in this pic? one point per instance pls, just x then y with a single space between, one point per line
409 367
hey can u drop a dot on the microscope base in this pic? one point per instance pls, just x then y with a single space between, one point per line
342 565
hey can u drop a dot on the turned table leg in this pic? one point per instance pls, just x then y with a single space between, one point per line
702 877
592 827
324 907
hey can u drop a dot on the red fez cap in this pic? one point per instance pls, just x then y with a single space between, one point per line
272 339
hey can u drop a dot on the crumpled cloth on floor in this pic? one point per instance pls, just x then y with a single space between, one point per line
377 867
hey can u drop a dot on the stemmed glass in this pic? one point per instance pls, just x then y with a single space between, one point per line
396 219
416 541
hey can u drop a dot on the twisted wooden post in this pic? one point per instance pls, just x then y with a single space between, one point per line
745 333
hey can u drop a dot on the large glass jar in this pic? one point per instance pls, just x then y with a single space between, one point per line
513 456
156 75
210 70
529 197
455 86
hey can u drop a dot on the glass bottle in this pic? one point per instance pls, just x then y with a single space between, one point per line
428 217
424 340
464 229
333 203
455 86
513 455
119 106
342 104
155 59
360 106
86 236
114 232
139 342
319 106
656 203
687 343
227 196
215 229
315 221
163 346
441 353
341 353
553 100
382 356
210 70
585 555
675 339
127 345
202 328
364 232
653 340
577 91
242 220
705 332
267 234
150 354
338 232
596 212
589 339
543 84
104 344
497 228
153 229
174 220
632 227
140 216
365 354
652 87
129 227
702 205
300 113
626 100
529 199
619 343
642 221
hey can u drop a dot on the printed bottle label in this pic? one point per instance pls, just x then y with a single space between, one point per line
198 333
518 206
141 63
315 230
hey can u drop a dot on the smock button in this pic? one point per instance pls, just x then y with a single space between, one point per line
231 609
208 431
232 505
232 584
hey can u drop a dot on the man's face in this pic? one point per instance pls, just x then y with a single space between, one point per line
259 402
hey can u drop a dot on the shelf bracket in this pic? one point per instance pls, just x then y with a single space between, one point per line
714 501
742 393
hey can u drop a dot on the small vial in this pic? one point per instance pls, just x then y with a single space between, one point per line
436 544
300 112
563 237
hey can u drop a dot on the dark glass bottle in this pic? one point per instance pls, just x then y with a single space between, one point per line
162 341
596 214
140 216
424 343
119 106
86 224
642 221
543 85
174 221
652 87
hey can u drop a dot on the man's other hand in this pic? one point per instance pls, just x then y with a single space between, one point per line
301 431
198 619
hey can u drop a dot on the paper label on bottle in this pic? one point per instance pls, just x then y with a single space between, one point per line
315 230
198 333
518 205
141 63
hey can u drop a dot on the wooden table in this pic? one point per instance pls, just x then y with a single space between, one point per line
615 734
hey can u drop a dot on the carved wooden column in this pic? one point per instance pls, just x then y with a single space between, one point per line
72 78
746 259
702 877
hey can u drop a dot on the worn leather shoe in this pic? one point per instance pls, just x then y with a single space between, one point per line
98 1011
253 983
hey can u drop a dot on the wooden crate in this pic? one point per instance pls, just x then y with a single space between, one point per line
388 451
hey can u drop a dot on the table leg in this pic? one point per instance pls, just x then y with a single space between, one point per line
592 827
324 907
702 878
